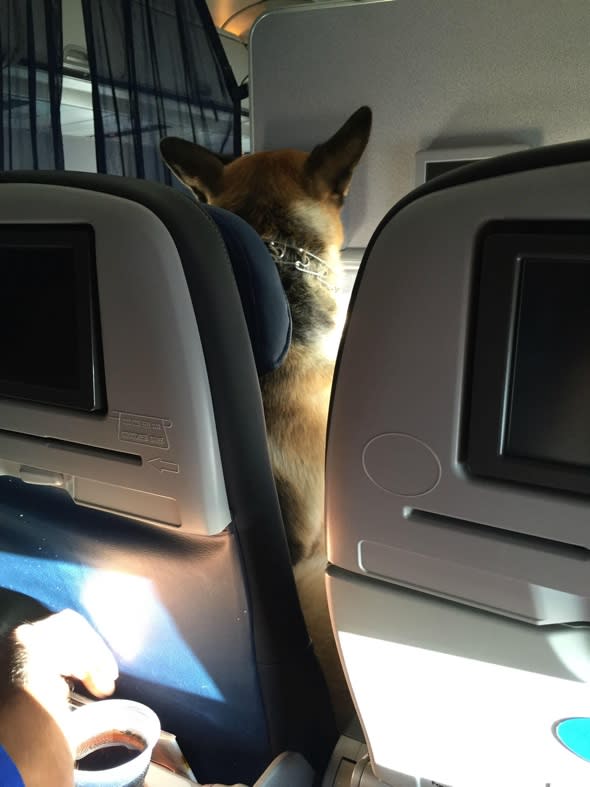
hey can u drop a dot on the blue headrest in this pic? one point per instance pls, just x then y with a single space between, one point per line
265 304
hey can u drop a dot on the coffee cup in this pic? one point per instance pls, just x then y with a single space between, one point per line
112 742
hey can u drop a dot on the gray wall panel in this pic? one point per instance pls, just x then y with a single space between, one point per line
437 73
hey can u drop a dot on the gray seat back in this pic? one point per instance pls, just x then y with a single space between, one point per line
138 489
457 482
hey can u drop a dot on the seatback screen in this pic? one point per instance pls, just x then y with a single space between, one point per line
50 348
549 405
527 412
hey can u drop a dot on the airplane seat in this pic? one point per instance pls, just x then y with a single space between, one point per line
135 481
458 484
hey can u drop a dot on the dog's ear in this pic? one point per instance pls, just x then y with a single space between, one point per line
331 164
195 166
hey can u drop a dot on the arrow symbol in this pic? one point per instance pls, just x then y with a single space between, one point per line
163 466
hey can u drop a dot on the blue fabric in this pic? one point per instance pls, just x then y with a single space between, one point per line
9 775
263 298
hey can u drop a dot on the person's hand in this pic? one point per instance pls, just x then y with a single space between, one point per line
61 646
35 661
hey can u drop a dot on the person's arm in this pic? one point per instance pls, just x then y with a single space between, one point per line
34 741
34 662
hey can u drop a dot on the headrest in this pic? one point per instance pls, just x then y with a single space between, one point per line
263 298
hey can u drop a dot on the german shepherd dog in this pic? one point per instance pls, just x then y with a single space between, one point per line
293 200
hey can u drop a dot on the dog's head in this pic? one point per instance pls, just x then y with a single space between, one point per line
286 195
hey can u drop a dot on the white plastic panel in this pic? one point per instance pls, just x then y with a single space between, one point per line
399 503
457 696
154 456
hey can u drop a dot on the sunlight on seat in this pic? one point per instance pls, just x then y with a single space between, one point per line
459 720
127 612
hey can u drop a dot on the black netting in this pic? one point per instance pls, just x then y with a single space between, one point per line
30 84
158 68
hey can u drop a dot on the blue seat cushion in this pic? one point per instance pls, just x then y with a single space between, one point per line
265 304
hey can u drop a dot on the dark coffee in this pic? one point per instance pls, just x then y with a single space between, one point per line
108 750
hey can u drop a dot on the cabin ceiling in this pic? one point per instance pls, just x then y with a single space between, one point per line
238 16
233 16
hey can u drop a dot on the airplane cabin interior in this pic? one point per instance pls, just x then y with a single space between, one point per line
143 315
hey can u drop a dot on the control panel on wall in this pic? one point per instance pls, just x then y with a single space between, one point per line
432 163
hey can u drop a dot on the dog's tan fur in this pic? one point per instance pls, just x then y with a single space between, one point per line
295 198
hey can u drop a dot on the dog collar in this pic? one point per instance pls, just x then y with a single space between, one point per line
302 260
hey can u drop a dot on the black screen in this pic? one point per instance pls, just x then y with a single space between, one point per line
50 348
549 414
38 317
436 168
528 409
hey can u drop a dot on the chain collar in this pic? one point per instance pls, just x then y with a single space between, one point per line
302 260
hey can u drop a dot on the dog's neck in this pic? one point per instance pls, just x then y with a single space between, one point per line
303 261
325 305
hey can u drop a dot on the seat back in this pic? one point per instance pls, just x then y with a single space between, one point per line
136 482
457 477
